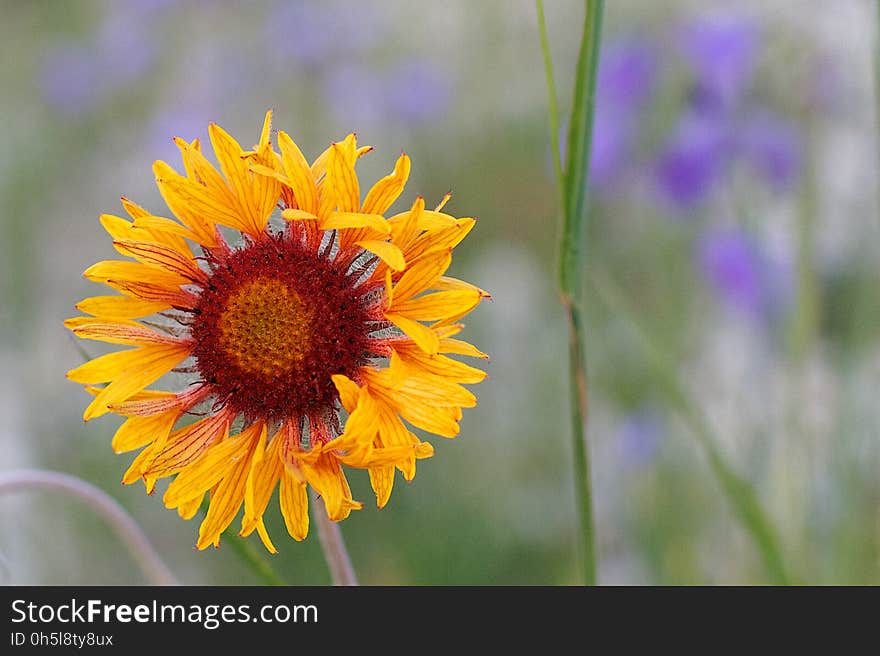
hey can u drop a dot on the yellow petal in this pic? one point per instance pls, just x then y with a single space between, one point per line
389 289
439 365
382 480
435 393
443 201
326 476
348 391
385 191
175 297
441 421
136 432
197 206
459 347
297 169
405 227
114 271
394 435
265 191
134 210
294 506
420 274
361 425
442 239
119 331
187 444
136 378
227 497
433 220
162 256
376 223
298 215
266 469
116 226
188 509
385 251
208 470
439 305
133 473
110 366
392 431
153 229
159 224
238 176
342 180
422 335
151 402
119 307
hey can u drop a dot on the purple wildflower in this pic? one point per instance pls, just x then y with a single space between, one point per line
354 94
125 47
723 51
71 79
614 135
627 74
186 122
639 436
312 32
742 273
693 160
625 84
418 91
772 147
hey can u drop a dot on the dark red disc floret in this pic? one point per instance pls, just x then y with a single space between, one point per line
274 322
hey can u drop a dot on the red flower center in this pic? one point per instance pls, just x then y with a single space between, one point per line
275 321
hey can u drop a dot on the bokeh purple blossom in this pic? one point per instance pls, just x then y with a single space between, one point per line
721 125
741 272
640 436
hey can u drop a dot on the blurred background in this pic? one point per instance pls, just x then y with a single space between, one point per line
734 201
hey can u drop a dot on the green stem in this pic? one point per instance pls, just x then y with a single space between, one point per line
250 554
738 491
552 107
805 323
335 553
572 189
577 161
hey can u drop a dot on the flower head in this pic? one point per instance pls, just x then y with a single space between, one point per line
330 306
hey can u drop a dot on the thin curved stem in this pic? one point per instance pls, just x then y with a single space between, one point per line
738 491
117 517
341 570
572 182
552 106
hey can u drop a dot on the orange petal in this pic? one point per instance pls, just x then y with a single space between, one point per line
294 506
382 481
162 256
136 378
120 307
385 251
186 444
136 432
266 469
422 335
439 305
420 274
297 169
110 366
120 331
385 191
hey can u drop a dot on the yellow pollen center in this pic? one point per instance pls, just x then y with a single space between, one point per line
265 327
